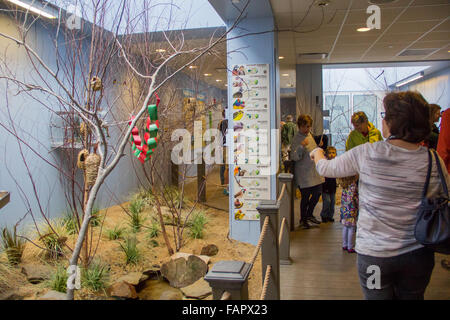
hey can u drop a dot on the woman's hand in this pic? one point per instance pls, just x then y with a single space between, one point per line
304 143
317 154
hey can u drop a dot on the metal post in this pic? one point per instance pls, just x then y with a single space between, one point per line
285 212
230 276
269 247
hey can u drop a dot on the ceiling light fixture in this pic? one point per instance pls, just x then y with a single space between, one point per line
32 9
280 57
410 79
193 67
218 80
363 29
207 74
285 74
160 50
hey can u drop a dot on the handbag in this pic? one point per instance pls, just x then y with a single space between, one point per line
432 228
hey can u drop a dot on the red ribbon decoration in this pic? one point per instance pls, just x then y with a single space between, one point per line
143 150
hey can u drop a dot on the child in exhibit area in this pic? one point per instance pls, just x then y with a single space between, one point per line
329 191
349 211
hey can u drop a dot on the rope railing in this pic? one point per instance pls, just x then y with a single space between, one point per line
226 296
283 190
261 239
229 279
266 283
282 230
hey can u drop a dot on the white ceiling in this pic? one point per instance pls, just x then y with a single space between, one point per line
405 24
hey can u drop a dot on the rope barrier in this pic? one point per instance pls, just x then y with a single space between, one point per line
266 282
282 229
226 296
283 190
261 238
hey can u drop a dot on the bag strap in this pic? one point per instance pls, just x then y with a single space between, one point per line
441 174
427 180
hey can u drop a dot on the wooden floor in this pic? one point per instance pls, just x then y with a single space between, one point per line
322 271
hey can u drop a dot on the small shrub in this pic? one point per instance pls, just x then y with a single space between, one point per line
132 254
58 281
95 277
13 245
136 219
96 218
172 197
197 225
146 196
154 230
54 240
154 243
115 234
71 223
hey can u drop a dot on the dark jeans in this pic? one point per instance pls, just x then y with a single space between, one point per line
403 277
328 201
222 174
310 197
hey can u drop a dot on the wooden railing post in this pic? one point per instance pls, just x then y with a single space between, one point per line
285 212
231 277
291 169
269 247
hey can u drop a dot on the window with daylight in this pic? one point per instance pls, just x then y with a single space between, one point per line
368 104
339 119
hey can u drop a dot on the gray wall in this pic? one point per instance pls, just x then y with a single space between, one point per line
434 87
309 94
31 117
288 107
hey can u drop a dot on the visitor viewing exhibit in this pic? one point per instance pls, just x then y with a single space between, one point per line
199 150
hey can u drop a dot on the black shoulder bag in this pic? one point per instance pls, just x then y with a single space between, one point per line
433 217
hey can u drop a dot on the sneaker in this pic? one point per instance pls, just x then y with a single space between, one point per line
344 248
351 251
324 219
304 225
313 220
330 220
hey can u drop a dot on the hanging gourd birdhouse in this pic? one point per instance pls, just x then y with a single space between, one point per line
96 84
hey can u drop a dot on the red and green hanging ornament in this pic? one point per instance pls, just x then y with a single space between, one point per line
143 149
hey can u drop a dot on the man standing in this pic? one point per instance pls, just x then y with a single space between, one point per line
288 131
223 128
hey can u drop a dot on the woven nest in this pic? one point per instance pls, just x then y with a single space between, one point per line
96 84
92 164
82 159
84 129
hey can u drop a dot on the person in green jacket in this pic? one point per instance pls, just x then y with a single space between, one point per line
364 131
288 131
